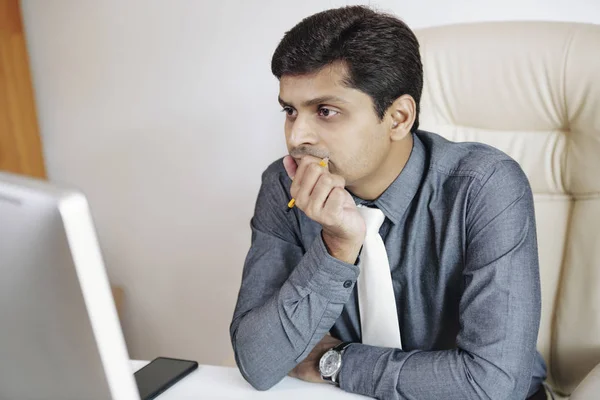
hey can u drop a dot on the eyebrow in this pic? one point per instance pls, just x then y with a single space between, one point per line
315 101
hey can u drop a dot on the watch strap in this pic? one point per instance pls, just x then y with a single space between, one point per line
342 346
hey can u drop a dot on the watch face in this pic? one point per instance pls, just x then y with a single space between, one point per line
330 363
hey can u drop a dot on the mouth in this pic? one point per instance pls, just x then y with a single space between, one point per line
299 159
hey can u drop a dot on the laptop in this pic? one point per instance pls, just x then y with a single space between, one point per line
60 336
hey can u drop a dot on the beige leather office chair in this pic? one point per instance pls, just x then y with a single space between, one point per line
532 89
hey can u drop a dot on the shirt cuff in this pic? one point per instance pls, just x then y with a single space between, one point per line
358 368
326 275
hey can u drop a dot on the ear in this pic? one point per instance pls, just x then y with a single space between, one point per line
401 115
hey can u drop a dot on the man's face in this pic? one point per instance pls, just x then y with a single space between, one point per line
325 118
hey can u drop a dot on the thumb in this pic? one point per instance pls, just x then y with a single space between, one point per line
290 166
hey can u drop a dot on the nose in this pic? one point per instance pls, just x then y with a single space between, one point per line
301 132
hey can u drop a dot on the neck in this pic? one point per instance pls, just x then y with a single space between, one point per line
373 185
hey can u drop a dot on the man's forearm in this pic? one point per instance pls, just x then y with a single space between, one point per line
386 373
271 339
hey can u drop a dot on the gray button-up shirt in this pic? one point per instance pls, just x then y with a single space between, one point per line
461 241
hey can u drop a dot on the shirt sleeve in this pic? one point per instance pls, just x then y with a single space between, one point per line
499 310
289 296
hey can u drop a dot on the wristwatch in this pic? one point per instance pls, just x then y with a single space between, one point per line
331 363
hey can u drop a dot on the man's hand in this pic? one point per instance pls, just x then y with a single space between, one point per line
323 198
308 370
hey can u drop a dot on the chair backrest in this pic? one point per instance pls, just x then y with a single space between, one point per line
532 89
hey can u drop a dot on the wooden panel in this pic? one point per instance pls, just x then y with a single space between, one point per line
20 144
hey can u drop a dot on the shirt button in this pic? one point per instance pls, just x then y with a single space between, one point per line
347 284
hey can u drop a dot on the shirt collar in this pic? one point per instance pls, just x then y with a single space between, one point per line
394 201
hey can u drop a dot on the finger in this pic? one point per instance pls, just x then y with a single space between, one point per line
322 189
334 205
309 180
304 163
290 166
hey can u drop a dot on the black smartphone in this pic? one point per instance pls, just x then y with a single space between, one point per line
161 374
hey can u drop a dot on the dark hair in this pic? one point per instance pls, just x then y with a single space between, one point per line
379 50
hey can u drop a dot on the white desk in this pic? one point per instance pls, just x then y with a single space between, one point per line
221 383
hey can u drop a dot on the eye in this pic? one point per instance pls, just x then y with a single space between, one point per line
327 112
290 112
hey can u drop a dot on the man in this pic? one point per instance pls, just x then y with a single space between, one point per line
454 312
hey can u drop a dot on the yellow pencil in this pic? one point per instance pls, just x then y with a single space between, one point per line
322 163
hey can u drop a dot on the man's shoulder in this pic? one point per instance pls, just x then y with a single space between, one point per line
474 159
275 181
275 172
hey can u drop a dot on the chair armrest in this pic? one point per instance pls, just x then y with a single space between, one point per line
589 388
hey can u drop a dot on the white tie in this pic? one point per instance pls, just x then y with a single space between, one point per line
377 304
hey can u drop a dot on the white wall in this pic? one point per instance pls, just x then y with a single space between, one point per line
165 114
